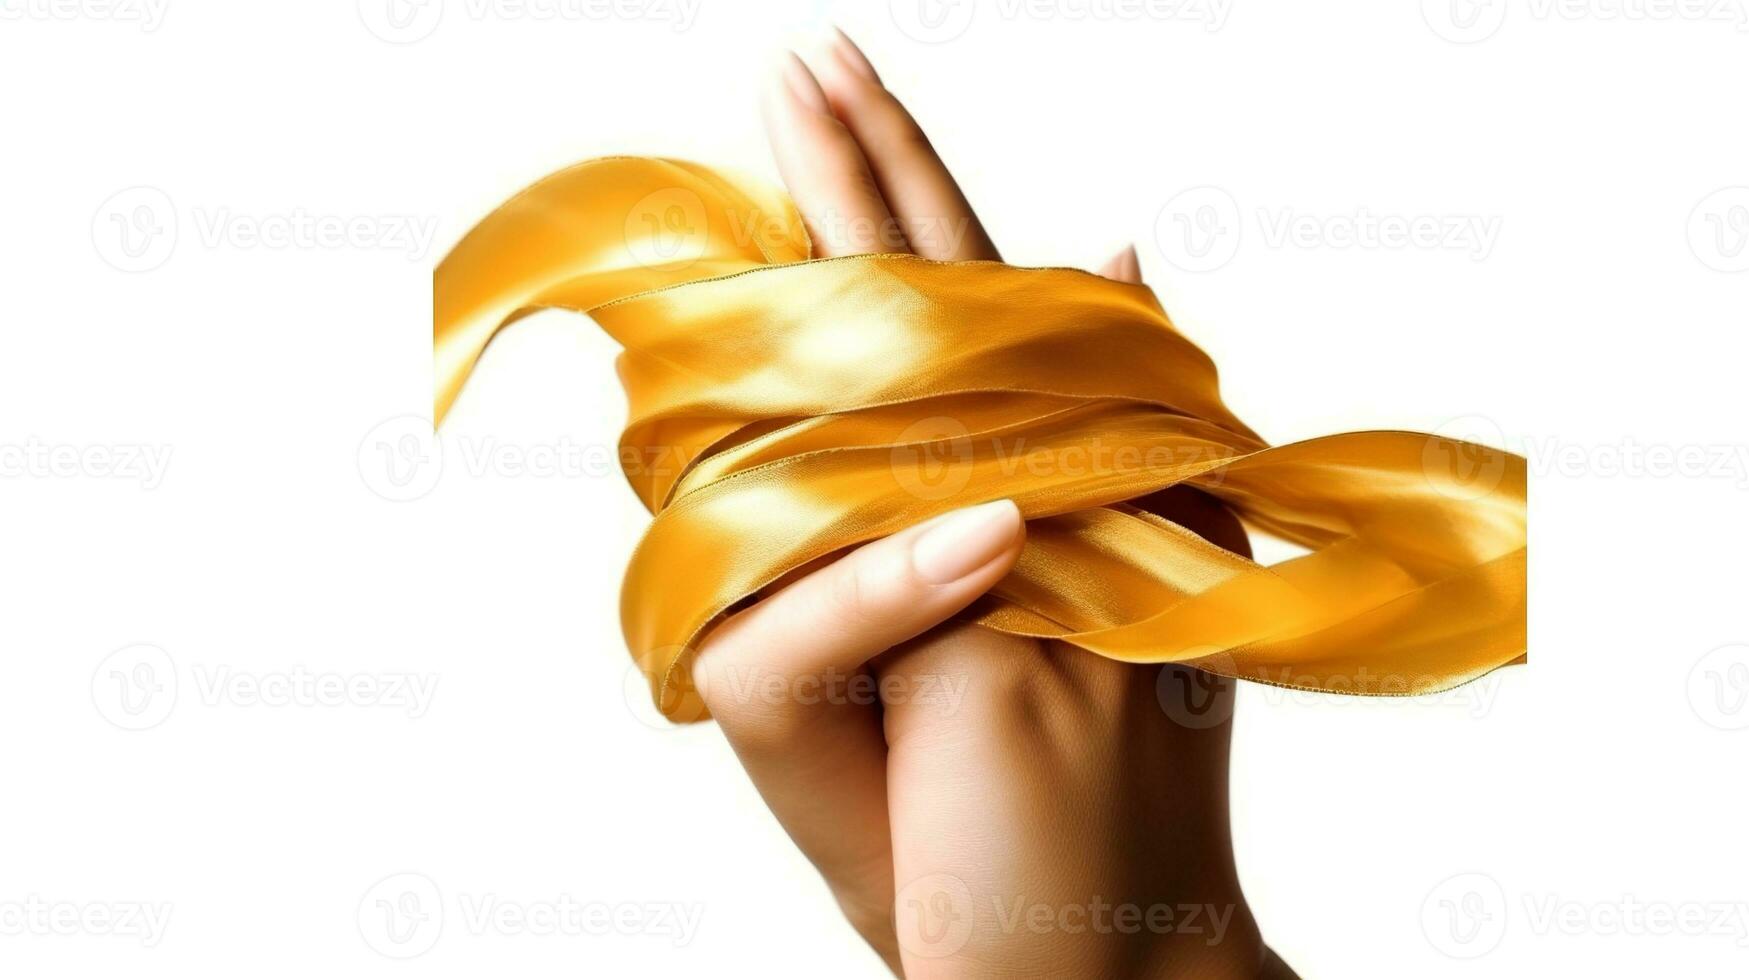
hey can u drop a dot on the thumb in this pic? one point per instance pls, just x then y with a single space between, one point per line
877 597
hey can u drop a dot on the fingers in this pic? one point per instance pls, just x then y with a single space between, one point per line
1123 267
835 619
936 217
824 169
784 680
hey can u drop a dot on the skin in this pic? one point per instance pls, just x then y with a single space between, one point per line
1005 807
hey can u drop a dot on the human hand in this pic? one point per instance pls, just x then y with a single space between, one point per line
979 804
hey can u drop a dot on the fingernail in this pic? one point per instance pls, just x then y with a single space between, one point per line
852 56
1125 266
964 541
802 84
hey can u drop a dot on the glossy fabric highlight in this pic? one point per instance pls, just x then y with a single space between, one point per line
782 410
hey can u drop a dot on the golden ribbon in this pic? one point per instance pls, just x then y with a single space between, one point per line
783 409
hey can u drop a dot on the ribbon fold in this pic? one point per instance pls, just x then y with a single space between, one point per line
783 409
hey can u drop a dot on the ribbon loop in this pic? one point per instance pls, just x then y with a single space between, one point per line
782 410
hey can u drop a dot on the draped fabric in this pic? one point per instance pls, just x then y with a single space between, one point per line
783 409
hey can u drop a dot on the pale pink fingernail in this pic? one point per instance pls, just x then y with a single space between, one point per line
964 541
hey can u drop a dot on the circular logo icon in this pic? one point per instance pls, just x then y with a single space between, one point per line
1718 687
682 703
1199 229
135 687
1196 698
933 916
1718 230
1464 21
1464 916
932 21
1460 460
401 916
135 229
667 228
933 458
401 21
401 459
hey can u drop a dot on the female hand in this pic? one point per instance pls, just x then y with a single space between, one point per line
979 804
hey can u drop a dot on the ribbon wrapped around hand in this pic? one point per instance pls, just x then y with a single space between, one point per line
782 410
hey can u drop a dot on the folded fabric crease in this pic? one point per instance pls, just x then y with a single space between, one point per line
783 409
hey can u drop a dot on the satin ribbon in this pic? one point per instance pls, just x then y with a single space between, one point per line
782 410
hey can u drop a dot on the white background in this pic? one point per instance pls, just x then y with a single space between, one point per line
1599 330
